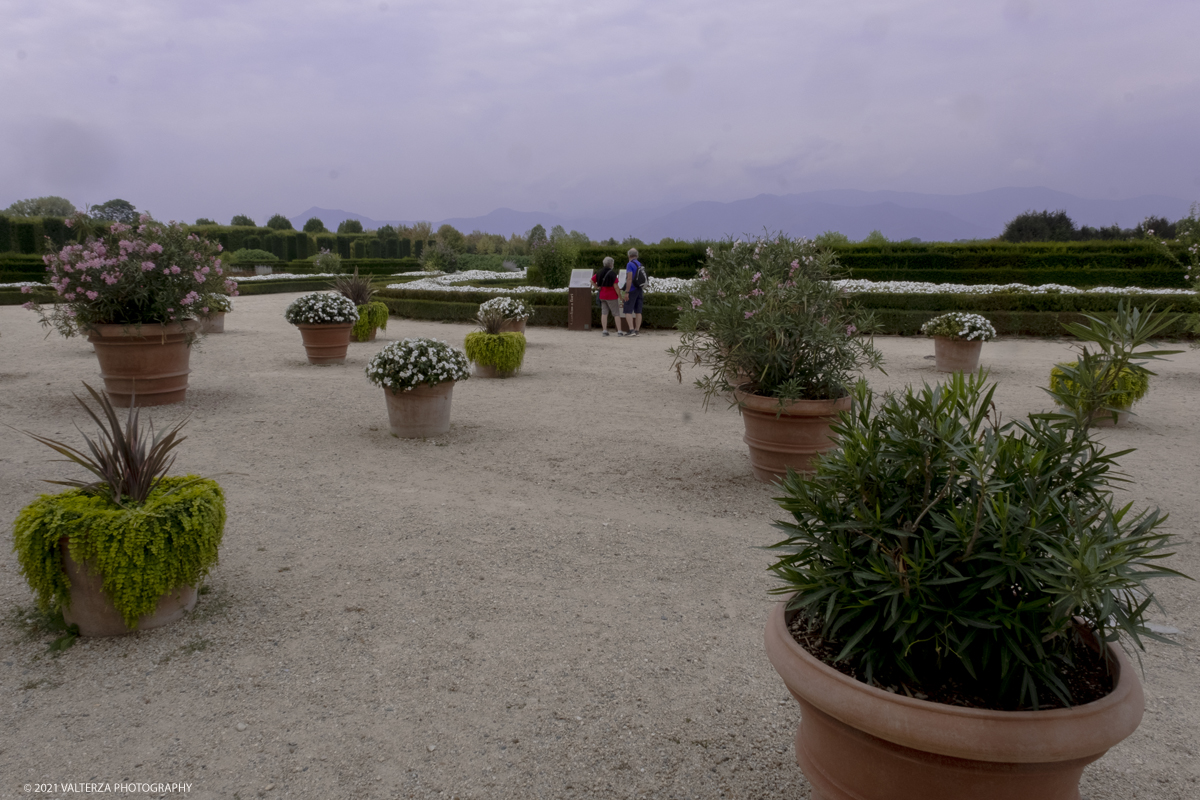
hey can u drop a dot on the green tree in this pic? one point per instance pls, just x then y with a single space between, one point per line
875 237
115 210
350 226
49 206
536 236
314 225
243 220
831 239
280 223
452 238
205 221
632 241
1040 226
1158 227
387 232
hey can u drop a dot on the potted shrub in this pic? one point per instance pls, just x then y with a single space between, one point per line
212 316
325 320
372 314
418 376
125 289
1101 385
127 550
956 588
957 340
495 354
777 336
516 312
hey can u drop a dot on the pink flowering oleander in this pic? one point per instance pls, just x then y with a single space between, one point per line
128 275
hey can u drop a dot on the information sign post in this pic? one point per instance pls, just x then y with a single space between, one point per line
579 300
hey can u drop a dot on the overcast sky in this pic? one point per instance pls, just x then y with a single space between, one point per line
429 110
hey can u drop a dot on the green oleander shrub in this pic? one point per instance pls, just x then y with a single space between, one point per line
372 316
504 351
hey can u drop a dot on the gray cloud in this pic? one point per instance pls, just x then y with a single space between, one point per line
453 109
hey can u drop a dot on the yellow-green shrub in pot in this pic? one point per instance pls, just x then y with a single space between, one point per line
372 315
128 550
494 354
1102 384
956 588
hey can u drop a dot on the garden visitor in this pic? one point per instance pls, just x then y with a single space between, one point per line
633 294
606 280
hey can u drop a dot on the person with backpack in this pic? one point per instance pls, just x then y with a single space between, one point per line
606 281
635 283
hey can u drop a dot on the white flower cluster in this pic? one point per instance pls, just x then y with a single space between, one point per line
285 276
509 307
451 282
19 285
321 308
918 287
960 325
408 363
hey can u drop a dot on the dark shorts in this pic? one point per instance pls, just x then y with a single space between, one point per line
633 305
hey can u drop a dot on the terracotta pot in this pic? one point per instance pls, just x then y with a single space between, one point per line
420 412
513 326
146 364
94 613
488 371
328 343
956 355
857 742
791 439
213 323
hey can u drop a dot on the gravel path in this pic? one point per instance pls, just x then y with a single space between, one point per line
563 597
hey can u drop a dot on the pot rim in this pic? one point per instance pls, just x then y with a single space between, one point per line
979 734
137 329
765 404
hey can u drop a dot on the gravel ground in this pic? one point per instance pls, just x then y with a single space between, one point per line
562 597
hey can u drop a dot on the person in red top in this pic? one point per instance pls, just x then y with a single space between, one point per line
606 281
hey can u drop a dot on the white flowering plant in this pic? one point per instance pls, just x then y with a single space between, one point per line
509 307
960 326
410 363
321 308
145 273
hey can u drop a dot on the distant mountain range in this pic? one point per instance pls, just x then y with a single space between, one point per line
898 215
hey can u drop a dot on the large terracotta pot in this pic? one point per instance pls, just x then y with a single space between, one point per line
94 613
420 412
513 326
327 343
213 323
146 364
857 742
793 438
956 355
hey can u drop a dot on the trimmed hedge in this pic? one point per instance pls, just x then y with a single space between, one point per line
5 234
1045 324
661 261
1135 254
1021 302
548 309
1174 278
